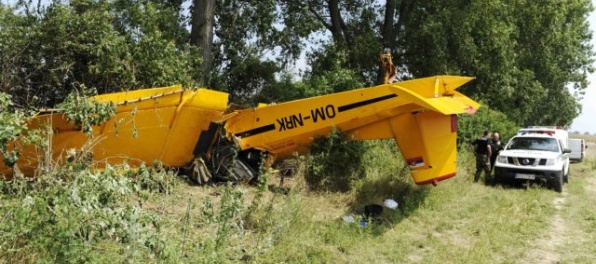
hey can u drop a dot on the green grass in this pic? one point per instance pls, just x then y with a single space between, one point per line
479 223
579 212
455 222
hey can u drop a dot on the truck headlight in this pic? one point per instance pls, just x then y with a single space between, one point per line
550 162
502 159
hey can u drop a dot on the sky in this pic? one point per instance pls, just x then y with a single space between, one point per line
586 121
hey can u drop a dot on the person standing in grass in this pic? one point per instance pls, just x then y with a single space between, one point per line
482 151
496 147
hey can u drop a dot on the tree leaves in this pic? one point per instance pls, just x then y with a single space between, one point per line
530 59
111 46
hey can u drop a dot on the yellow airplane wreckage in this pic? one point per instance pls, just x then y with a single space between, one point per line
182 127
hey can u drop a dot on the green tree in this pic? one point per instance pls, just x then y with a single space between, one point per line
246 33
47 51
524 54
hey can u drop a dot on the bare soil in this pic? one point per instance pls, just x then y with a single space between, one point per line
561 227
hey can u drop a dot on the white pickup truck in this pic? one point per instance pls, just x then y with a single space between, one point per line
535 156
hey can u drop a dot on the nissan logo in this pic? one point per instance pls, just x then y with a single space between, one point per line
525 161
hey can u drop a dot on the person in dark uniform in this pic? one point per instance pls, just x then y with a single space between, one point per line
482 151
496 147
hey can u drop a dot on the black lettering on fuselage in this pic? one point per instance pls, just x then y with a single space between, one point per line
330 111
290 122
296 120
322 113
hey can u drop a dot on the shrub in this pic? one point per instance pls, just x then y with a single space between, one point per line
86 113
334 162
64 219
13 126
472 126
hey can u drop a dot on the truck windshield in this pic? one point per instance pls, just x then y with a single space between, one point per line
544 144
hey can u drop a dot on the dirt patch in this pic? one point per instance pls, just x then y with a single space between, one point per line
591 186
454 239
555 237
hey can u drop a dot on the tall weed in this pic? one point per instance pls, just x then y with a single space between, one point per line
64 220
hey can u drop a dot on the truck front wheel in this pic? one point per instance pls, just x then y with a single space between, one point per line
558 182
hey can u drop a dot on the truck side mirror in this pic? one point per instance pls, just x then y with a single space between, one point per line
566 150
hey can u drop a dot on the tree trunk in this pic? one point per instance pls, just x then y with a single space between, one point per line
201 34
388 31
336 20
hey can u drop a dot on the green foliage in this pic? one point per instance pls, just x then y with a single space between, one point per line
229 217
14 127
246 77
471 127
387 176
152 179
67 218
286 89
525 55
11 126
334 162
84 112
237 227
331 78
329 75
48 51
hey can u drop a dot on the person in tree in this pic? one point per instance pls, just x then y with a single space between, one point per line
482 151
388 67
496 147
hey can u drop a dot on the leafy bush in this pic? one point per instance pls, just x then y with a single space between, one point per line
334 162
86 113
13 127
49 50
471 127
65 219
387 174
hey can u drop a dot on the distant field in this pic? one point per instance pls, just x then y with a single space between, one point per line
590 138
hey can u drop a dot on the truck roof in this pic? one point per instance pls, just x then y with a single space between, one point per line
536 135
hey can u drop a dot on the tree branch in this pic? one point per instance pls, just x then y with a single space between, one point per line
319 17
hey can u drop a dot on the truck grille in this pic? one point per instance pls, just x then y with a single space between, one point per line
524 161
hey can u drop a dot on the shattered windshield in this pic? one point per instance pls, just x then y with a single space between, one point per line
543 144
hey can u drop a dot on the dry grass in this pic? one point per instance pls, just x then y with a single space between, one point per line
588 138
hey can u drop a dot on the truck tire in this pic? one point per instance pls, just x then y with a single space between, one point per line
558 183
497 180
566 177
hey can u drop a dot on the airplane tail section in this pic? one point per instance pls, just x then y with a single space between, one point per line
427 141
425 128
